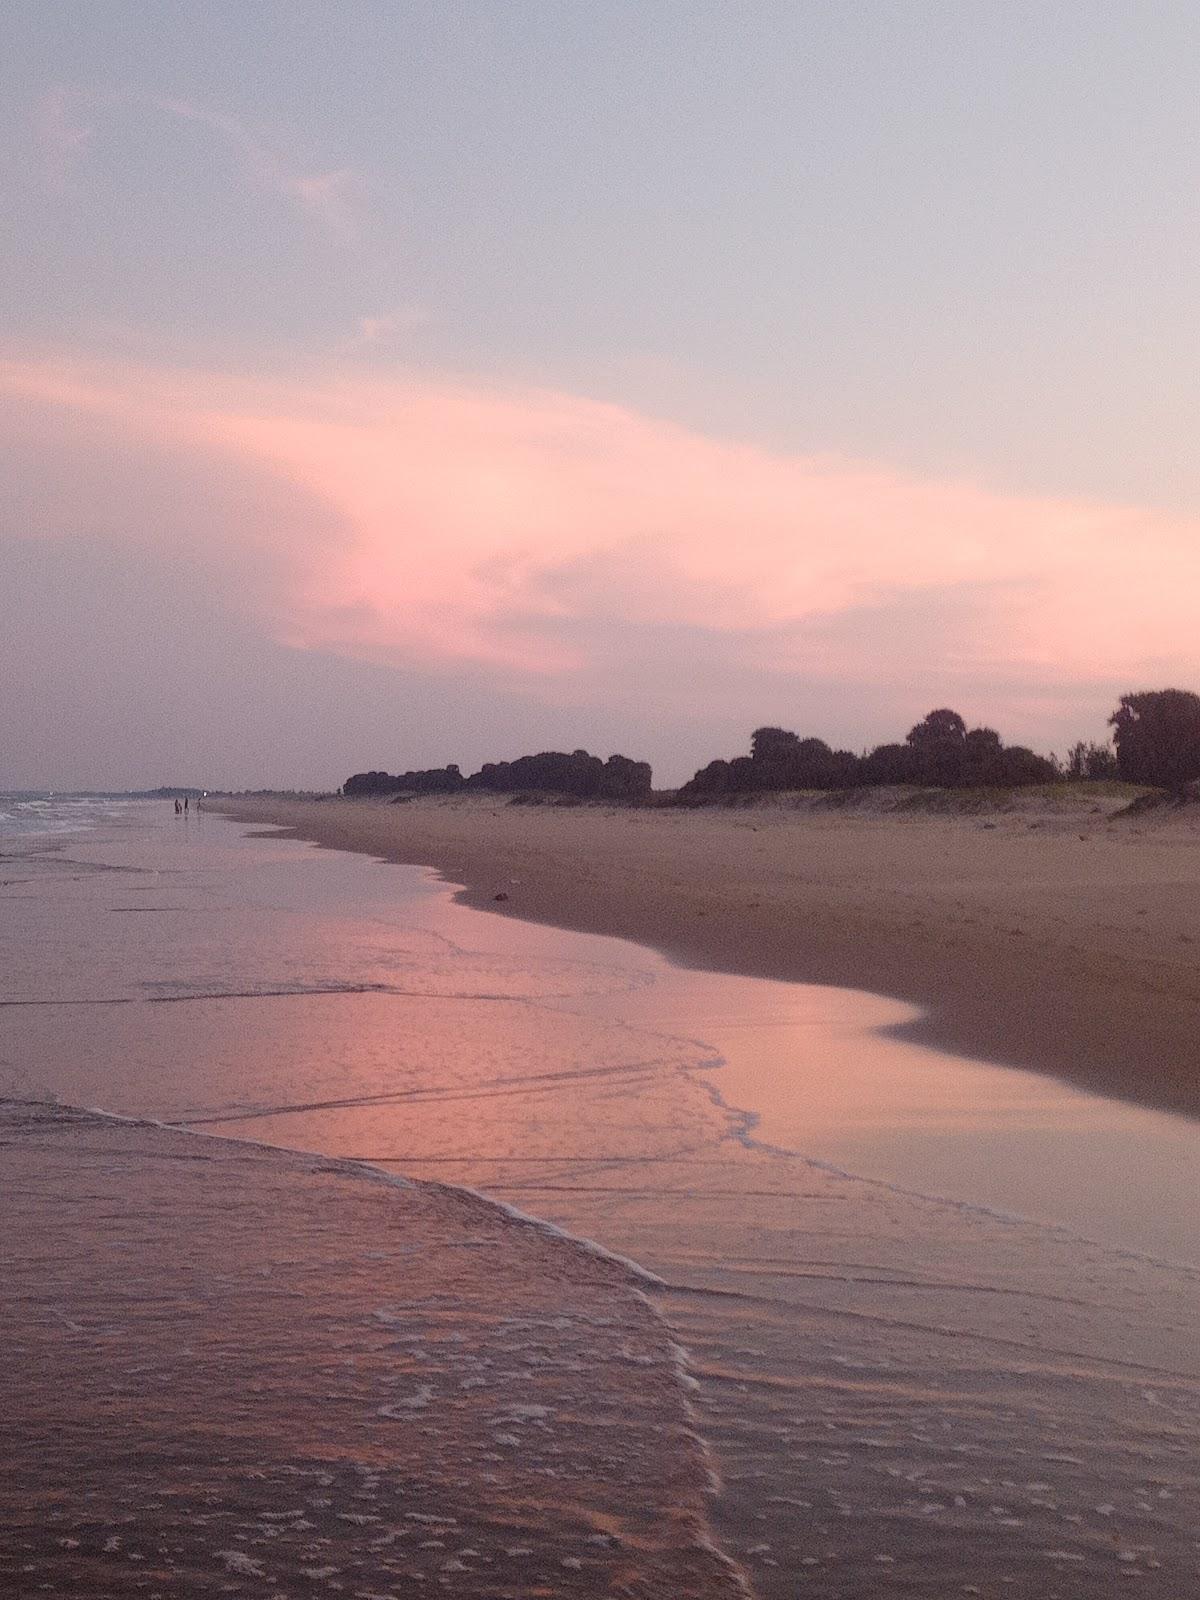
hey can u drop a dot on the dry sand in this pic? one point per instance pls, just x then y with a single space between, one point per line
1052 935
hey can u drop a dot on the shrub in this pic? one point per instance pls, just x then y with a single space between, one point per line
436 780
1157 734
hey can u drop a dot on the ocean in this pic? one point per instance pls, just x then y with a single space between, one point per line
938 1317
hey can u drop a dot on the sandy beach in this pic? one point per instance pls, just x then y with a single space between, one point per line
1055 935
599 802
245 1370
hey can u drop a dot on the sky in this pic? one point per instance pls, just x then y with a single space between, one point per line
386 384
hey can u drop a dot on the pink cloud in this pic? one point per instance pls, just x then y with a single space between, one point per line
529 531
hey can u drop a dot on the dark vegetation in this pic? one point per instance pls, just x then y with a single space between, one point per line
940 752
579 774
1156 734
1090 763
583 776
437 780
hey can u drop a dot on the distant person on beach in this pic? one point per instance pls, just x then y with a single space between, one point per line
185 804
178 808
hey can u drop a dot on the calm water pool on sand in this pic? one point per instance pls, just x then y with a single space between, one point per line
998 1381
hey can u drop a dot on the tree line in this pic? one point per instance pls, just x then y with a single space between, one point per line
940 752
584 776
1155 741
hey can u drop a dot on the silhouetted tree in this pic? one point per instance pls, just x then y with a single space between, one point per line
939 727
890 763
1090 762
782 760
1157 734
580 774
623 779
435 780
709 782
938 745
981 757
940 751
773 744
1016 765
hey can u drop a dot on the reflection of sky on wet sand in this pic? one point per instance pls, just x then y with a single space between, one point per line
394 1023
877 1370
823 1075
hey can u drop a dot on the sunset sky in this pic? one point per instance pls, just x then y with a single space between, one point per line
389 383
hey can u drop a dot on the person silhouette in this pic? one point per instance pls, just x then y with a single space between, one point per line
178 809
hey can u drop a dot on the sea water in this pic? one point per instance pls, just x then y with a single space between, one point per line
941 1315
37 812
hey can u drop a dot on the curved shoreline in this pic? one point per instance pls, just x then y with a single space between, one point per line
1061 944
828 1321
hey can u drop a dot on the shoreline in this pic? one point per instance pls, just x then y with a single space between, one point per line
1053 939
304 1482
355 1332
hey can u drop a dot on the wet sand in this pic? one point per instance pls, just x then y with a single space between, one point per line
898 1391
1055 937
234 1370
